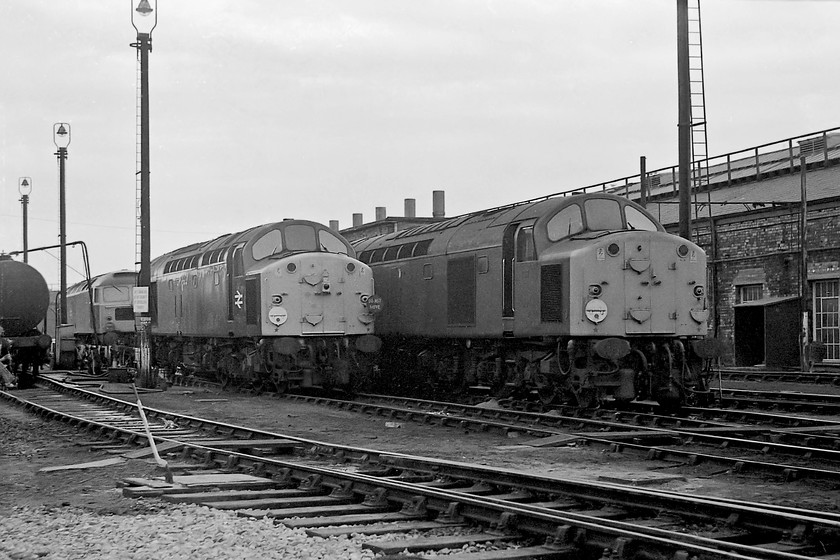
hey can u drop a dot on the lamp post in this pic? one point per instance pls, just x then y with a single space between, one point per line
61 137
144 20
25 188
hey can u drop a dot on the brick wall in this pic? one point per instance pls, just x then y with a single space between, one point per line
766 240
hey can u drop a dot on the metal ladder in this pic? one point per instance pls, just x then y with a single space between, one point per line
699 138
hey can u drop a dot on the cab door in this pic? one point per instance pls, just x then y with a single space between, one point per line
236 290
526 282
520 279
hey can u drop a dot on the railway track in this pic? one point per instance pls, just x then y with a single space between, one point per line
762 375
322 487
737 440
797 401
741 448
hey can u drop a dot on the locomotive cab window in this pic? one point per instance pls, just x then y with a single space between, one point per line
300 237
269 244
566 222
637 220
603 214
113 294
331 243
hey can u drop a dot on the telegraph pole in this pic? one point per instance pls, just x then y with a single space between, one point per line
684 119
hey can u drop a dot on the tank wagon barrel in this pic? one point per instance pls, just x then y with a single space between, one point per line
24 301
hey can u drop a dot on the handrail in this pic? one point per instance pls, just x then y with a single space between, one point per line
720 166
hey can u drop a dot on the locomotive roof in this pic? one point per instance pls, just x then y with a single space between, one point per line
215 250
484 223
122 277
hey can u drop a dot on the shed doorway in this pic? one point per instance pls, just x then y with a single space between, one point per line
767 333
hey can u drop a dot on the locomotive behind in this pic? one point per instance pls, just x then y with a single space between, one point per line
282 305
580 298
102 316
24 301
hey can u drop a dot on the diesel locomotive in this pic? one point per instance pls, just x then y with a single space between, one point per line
24 301
102 317
579 299
279 306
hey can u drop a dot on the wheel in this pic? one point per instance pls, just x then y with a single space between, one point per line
587 398
225 371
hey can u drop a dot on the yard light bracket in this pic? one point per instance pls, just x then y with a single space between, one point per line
144 17
25 186
61 135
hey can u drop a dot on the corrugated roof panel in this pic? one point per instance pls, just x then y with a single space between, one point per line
820 183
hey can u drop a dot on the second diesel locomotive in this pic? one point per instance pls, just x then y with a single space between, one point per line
579 298
284 303
279 306
102 317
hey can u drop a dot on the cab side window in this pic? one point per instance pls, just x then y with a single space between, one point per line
525 250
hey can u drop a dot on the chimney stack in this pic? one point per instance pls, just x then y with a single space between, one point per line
358 220
334 225
438 206
381 213
410 208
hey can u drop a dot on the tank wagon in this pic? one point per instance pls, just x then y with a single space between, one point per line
284 304
102 315
24 301
580 298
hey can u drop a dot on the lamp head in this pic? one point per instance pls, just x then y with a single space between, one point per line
25 186
61 134
144 15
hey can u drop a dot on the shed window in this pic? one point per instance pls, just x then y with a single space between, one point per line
827 317
749 292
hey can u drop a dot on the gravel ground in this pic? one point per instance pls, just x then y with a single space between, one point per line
81 514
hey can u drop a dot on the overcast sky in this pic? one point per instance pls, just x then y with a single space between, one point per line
263 110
